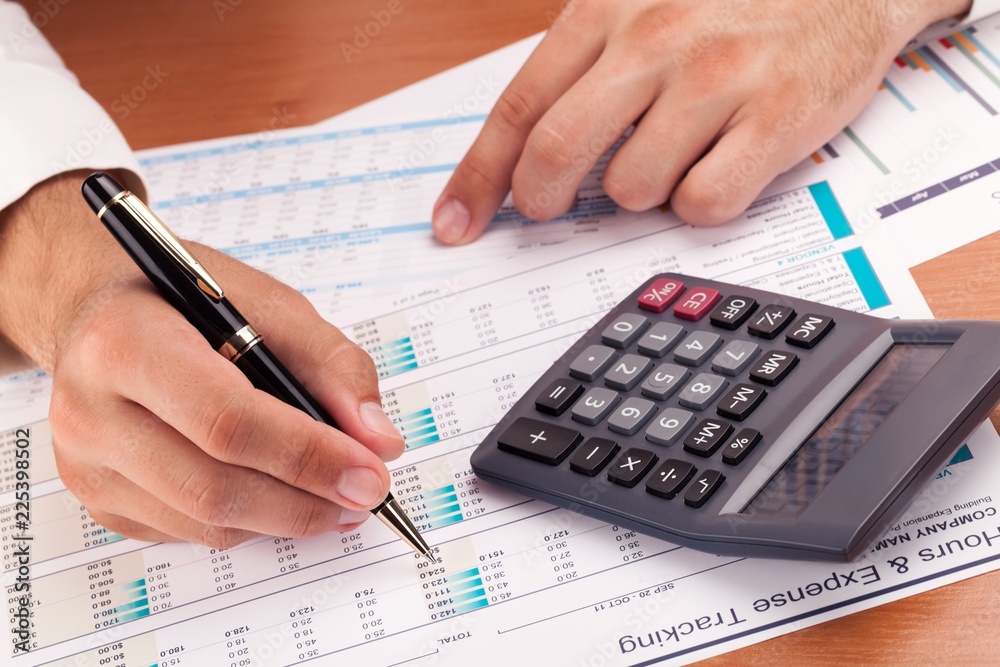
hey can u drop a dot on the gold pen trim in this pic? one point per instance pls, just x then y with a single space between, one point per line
170 243
240 343
114 200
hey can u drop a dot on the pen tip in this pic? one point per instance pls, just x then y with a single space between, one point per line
431 557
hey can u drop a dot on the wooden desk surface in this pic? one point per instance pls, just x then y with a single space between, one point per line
228 66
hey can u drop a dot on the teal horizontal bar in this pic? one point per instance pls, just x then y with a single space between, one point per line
475 582
471 595
429 440
441 500
422 432
472 606
400 369
416 423
444 511
447 521
462 576
399 352
399 342
437 492
418 413
401 359
134 615
138 583
135 604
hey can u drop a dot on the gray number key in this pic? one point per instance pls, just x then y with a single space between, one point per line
657 341
701 391
734 357
669 426
595 405
664 381
627 372
592 362
696 348
631 416
623 331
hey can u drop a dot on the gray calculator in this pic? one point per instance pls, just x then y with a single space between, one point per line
742 422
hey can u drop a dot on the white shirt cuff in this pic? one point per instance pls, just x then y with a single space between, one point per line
980 9
48 124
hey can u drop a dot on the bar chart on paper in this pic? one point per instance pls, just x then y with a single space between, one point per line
909 139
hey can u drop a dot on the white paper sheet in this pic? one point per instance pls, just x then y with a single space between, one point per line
519 580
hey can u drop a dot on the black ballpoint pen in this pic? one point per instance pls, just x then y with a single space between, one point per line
191 290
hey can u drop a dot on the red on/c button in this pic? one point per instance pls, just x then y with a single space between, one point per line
696 303
660 295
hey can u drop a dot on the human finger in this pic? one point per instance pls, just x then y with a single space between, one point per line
483 177
214 493
578 129
335 371
665 143
165 365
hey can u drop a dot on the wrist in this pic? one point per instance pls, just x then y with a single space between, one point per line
53 256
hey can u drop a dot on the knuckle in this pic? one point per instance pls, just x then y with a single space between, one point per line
304 464
631 188
209 500
658 27
552 148
703 203
222 537
226 429
66 416
126 527
98 344
344 362
309 519
517 110
479 172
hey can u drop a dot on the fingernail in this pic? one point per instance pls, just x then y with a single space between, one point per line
351 517
451 221
376 420
361 486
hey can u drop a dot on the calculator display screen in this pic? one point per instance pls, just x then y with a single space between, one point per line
804 476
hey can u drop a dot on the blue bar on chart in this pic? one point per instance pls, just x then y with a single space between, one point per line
888 85
830 208
395 357
102 536
436 508
418 428
954 80
467 593
137 606
864 274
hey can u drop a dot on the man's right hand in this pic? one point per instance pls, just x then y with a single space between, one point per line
158 435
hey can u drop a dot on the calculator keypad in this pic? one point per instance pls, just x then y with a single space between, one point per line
664 378
592 362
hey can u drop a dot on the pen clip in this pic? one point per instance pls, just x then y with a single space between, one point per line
165 238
